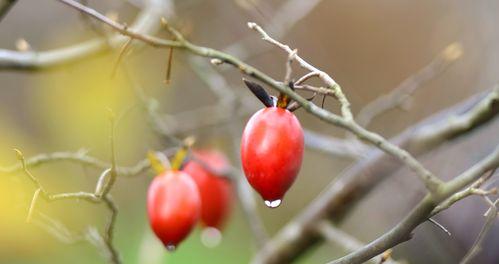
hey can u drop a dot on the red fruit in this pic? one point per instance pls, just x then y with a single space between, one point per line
272 152
215 190
173 205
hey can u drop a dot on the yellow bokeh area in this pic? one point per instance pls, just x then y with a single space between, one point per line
73 105
69 110
16 192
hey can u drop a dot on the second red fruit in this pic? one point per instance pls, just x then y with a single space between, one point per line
272 152
215 190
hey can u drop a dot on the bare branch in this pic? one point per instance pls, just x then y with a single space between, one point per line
335 146
491 216
56 229
346 241
305 77
123 29
146 22
109 234
289 69
278 26
473 189
80 157
101 195
454 125
440 226
402 231
330 83
398 96
5 6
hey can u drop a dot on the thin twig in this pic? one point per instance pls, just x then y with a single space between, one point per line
440 226
121 28
403 92
80 157
335 146
278 26
402 231
100 195
169 66
487 227
121 54
473 189
145 22
346 241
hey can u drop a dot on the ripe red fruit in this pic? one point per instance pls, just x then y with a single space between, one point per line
173 206
272 152
215 190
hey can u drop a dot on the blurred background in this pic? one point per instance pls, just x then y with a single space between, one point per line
369 47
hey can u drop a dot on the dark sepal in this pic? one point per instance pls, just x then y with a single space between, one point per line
260 93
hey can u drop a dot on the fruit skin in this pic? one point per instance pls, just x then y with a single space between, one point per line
173 206
215 190
272 151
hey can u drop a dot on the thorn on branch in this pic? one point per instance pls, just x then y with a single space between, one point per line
169 66
33 204
440 226
123 52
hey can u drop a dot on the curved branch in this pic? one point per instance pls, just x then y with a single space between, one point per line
400 94
80 157
146 23
5 6
402 231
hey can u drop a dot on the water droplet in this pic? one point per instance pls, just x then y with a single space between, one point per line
170 247
211 237
273 204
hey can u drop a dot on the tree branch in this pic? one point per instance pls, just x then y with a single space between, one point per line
345 240
80 157
404 90
279 24
146 22
473 189
335 146
491 216
101 195
402 231
5 6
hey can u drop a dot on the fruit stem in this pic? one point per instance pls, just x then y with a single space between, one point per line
156 163
284 99
181 154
